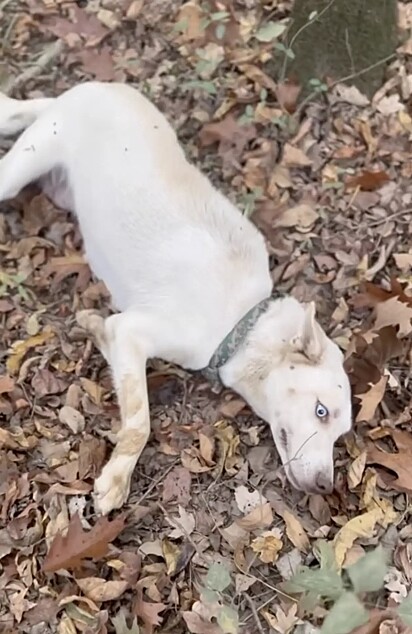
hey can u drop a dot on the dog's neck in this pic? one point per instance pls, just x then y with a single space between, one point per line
264 347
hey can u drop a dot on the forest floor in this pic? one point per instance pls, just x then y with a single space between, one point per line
212 526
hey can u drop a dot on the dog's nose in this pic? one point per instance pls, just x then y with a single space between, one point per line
323 482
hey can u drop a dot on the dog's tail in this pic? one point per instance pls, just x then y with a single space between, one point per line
17 115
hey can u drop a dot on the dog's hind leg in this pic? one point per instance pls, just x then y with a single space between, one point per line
16 115
119 338
35 154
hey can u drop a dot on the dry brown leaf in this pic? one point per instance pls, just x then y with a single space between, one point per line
360 526
399 463
72 418
294 157
191 460
134 9
368 181
287 94
68 552
372 295
177 485
302 217
190 17
197 625
207 448
268 545
260 517
98 63
394 312
295 532
356 470
148 612
93 389
81 23
20 348
403 261
6 384
370 400
99 590
231 136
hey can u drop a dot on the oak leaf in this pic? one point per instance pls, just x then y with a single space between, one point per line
371 399
100 590
68 551
368 181
399 463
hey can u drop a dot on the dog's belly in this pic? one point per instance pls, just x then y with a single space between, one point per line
56 186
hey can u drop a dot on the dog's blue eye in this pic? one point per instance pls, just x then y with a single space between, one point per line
321 411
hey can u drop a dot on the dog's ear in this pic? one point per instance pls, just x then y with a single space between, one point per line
310 341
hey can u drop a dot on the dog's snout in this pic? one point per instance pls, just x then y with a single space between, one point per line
324 483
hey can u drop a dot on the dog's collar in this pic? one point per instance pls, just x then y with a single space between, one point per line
234 339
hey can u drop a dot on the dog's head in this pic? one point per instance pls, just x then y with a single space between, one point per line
299 386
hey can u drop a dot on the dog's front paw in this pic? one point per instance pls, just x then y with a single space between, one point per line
111 489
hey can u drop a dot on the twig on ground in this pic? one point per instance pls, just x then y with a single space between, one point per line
153 485
52 51
397 214
254 612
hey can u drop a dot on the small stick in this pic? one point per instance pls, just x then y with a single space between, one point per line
52 50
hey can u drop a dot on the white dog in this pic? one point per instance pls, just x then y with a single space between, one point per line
188 272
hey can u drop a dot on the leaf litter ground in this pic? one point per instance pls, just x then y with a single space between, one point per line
211 530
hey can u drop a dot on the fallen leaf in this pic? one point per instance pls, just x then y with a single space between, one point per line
68 552
394 312
260 517
6 384
19 349
302 217
80 23
197 625
148 612
171 554
120 625
390 105
360 526
350 94
248 500
183 525
268 545
283 622
98 63
370 400
270 31
399 463
368 181
99 590
295 532
356 470
72 418
287 94
190 19
403 261
177 485
294 157
231 136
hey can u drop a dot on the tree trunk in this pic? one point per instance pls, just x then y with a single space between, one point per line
335 39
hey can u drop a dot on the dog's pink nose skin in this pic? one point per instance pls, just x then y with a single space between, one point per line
323 483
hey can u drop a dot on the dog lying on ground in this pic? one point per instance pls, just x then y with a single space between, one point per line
188 273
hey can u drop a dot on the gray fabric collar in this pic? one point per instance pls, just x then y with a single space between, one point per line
234 339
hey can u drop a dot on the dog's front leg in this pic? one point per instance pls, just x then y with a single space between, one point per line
118 338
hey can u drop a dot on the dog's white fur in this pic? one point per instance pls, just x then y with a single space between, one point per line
183 266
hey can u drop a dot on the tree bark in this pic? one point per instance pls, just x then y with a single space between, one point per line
344 38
